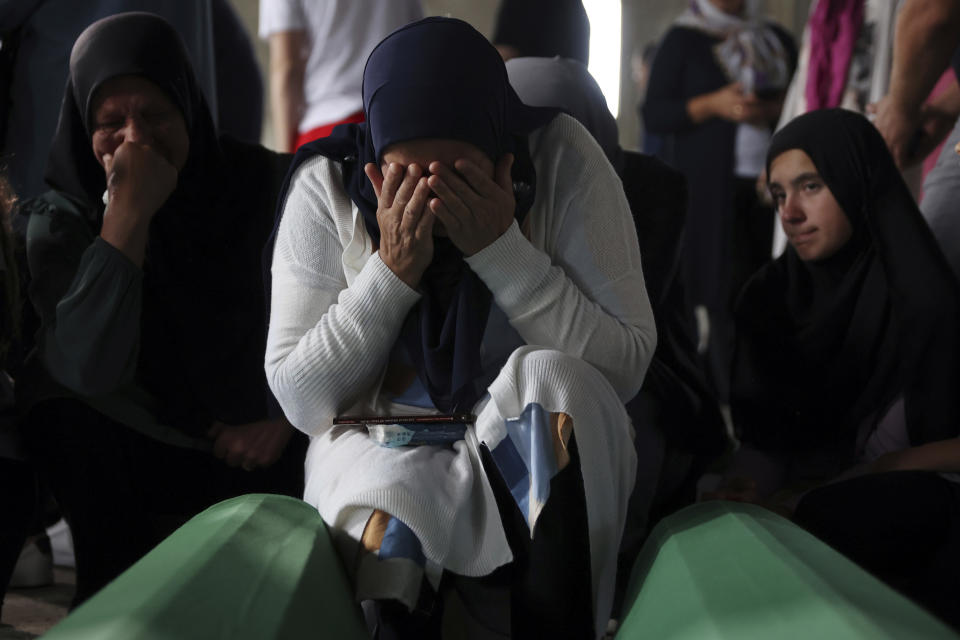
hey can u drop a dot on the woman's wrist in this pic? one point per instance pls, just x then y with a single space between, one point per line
701 108
127 233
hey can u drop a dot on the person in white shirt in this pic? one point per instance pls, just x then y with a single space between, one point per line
317 52
462 252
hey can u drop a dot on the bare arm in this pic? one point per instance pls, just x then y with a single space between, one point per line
288 58
927 33
943 456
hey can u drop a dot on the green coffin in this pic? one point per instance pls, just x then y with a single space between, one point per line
255 567
739 572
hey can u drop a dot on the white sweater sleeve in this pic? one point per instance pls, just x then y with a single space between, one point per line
583 293
328 342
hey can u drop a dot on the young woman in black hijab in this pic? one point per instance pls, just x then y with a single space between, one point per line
144 261
848 361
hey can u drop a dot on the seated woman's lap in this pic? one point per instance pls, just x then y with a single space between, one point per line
123 492
592 478
902 526
532 376
163 477
887 520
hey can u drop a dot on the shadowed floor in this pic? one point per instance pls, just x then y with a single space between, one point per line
28 613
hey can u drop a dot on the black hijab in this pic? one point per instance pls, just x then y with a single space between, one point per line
202 327
544 28
404 76
824 346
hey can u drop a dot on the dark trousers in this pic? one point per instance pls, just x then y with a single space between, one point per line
122 492
551 594
902 526
550 581
18 507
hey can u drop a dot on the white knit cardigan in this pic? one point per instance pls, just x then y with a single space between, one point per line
572 285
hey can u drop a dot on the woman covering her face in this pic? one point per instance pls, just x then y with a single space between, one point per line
848 360
144 259
419 258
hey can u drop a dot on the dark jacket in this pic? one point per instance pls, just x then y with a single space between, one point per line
685 67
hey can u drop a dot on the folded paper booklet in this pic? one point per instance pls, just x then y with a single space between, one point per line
401 431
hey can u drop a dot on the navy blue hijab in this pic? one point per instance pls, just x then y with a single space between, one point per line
435 78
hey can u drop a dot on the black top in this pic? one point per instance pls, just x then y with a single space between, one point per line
675 395
190 328
544 28
239 84
824 348
685 67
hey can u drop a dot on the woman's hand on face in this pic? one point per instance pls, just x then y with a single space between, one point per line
406 223
139 180
474 208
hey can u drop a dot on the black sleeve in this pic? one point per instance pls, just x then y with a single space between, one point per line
790 46
665 107
88 296
239 84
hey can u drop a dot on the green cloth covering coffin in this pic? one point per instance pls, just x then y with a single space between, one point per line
740 572
255 567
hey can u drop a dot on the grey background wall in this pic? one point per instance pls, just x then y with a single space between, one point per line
643 21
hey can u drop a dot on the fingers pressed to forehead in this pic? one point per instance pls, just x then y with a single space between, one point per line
479 180
425 224
373 174
452 197
391 181
420 194
444 214
503 174
472 187
455 181
413 212
410 177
